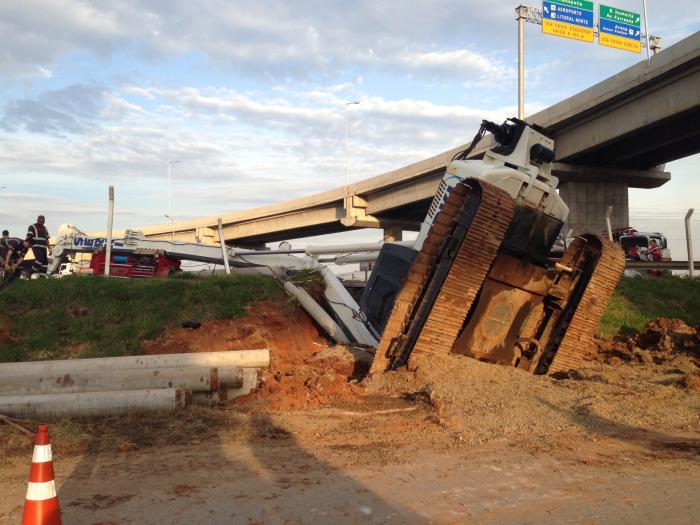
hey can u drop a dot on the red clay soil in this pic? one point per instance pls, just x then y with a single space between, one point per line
661 340
663 343
5 330
304 371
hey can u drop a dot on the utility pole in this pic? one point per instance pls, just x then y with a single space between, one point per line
353 102
110 223
170 195
689 243
346 199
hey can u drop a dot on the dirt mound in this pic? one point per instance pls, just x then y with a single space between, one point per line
661 341
669 336
481 402
309 379
304 371
288 334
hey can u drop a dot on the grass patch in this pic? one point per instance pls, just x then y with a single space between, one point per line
84 316
637 301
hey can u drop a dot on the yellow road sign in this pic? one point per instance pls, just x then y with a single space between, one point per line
605 39
553 27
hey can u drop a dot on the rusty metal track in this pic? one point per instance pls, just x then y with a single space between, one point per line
420 272
431 309
578 340
479 249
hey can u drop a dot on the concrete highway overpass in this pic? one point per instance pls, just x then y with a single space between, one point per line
615 135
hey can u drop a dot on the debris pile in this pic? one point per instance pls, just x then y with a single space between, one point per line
305 371
312 378
670 343
670 336
662 341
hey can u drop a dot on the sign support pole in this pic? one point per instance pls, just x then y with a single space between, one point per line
520 12
646 30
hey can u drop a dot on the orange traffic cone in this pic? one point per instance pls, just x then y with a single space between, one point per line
41 503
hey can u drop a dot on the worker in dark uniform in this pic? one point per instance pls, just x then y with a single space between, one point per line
38 239
13 250
3 254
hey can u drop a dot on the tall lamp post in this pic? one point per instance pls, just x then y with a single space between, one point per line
170 195
353 102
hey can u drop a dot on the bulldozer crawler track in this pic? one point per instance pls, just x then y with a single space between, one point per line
578 340
476 251
468 271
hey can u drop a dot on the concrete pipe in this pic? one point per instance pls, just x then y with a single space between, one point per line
91 403
319 314
194 379
235 358
251 380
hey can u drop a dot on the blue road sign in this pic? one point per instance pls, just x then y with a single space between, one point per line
619 29
567 15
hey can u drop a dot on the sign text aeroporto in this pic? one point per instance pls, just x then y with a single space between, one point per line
569 19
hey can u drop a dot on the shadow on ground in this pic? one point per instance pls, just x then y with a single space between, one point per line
256 472
652 440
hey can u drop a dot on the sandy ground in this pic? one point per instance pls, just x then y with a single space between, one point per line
385 462
452 440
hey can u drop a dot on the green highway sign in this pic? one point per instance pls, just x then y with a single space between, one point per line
579 4
617 15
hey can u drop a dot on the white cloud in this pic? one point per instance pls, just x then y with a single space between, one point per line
44 72
260 117
138 91
461 63
237 150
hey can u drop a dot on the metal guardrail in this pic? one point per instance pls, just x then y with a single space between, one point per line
659 265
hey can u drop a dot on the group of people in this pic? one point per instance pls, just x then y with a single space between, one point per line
13 251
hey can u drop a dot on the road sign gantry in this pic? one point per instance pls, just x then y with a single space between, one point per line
534 15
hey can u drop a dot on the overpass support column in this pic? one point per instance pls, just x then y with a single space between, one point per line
588 202
393 234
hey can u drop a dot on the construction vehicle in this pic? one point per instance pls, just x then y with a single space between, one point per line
479 281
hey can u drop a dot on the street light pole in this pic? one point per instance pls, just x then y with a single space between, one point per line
170 195
346 142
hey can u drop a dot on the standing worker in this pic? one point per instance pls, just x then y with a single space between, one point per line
38 239
655 253
14 250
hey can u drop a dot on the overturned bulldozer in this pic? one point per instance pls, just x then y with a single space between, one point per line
479 280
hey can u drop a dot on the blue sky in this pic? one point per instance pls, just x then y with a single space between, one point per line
249 96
